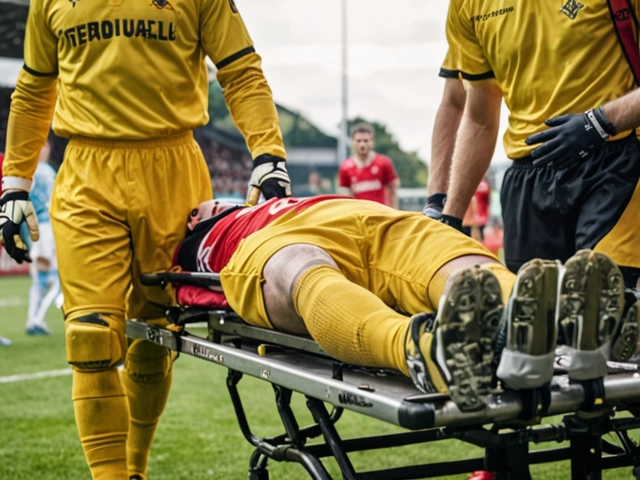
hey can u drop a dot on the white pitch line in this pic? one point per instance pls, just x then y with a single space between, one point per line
36 375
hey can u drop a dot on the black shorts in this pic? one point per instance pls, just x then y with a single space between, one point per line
551 213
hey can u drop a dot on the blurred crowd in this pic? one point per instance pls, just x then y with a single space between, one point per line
229 169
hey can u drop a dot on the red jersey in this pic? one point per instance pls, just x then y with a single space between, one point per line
213 242
1 160
482 196
369 182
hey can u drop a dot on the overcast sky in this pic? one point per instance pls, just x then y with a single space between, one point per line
395 50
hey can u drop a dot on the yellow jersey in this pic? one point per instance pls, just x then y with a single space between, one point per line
135 70
449 68
549 58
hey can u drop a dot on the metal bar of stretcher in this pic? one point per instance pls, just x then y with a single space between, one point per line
389 398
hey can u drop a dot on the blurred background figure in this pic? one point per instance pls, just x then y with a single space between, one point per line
4 341
482 199
366 174
45 284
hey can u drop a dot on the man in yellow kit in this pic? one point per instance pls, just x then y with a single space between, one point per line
546 60
127 82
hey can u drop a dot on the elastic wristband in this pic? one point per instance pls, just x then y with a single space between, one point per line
607 125
18 183
266 158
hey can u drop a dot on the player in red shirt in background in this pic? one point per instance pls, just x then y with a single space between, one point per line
482 199
367 175
4 342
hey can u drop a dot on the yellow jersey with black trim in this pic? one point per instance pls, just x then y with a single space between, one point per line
549 58
131 69
449 68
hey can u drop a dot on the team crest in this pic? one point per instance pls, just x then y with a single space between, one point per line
571 9
160 4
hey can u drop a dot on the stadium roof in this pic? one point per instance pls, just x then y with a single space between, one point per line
13 17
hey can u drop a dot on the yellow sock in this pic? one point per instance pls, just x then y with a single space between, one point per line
146 379
102 417
349 322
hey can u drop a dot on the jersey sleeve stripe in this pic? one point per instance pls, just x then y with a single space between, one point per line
232 58
446 73
35 73
479 76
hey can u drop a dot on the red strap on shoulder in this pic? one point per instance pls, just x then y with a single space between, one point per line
625 24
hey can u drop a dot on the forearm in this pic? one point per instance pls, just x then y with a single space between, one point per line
251 105
28 126
624 112
392 197
473 152
443 138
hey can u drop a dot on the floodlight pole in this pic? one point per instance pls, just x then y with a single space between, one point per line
343 137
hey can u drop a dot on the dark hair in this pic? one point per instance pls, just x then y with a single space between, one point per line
362 128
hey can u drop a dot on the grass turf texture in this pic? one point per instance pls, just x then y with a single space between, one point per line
198 436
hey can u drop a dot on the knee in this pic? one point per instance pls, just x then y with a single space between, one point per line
148 362
95 342
287 265
281 273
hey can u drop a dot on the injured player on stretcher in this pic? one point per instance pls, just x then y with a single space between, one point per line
379 287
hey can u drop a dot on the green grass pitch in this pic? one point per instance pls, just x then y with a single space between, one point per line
198 437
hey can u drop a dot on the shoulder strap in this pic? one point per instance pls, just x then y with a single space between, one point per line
625 25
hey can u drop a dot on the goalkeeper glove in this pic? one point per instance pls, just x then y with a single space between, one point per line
434 206
571 138
16 208
270 177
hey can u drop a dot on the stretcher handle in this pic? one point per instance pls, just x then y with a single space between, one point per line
200 279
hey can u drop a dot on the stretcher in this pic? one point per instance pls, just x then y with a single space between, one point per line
595 430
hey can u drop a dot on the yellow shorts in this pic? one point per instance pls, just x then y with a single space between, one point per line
393 254
120 209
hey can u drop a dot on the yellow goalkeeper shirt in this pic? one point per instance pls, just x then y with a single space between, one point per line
549 57
133 70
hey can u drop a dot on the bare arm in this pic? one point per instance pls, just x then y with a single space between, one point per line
624 112
475 144
346 191
392 193
446 125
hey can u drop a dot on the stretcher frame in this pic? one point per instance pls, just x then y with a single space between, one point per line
296 364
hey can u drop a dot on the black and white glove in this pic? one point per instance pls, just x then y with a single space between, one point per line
454 222
571 139
16 208
434 206
270 177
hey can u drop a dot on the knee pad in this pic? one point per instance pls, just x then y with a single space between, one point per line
148 362
95 342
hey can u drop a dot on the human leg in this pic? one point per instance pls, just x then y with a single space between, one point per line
157 218
37 292
537 211
94 253
53 285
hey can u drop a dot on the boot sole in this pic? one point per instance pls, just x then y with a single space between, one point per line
469 318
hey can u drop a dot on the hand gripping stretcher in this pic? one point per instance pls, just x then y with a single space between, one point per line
298 364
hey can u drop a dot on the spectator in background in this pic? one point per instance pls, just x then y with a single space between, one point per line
368 175
482 199
4 341
45 284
